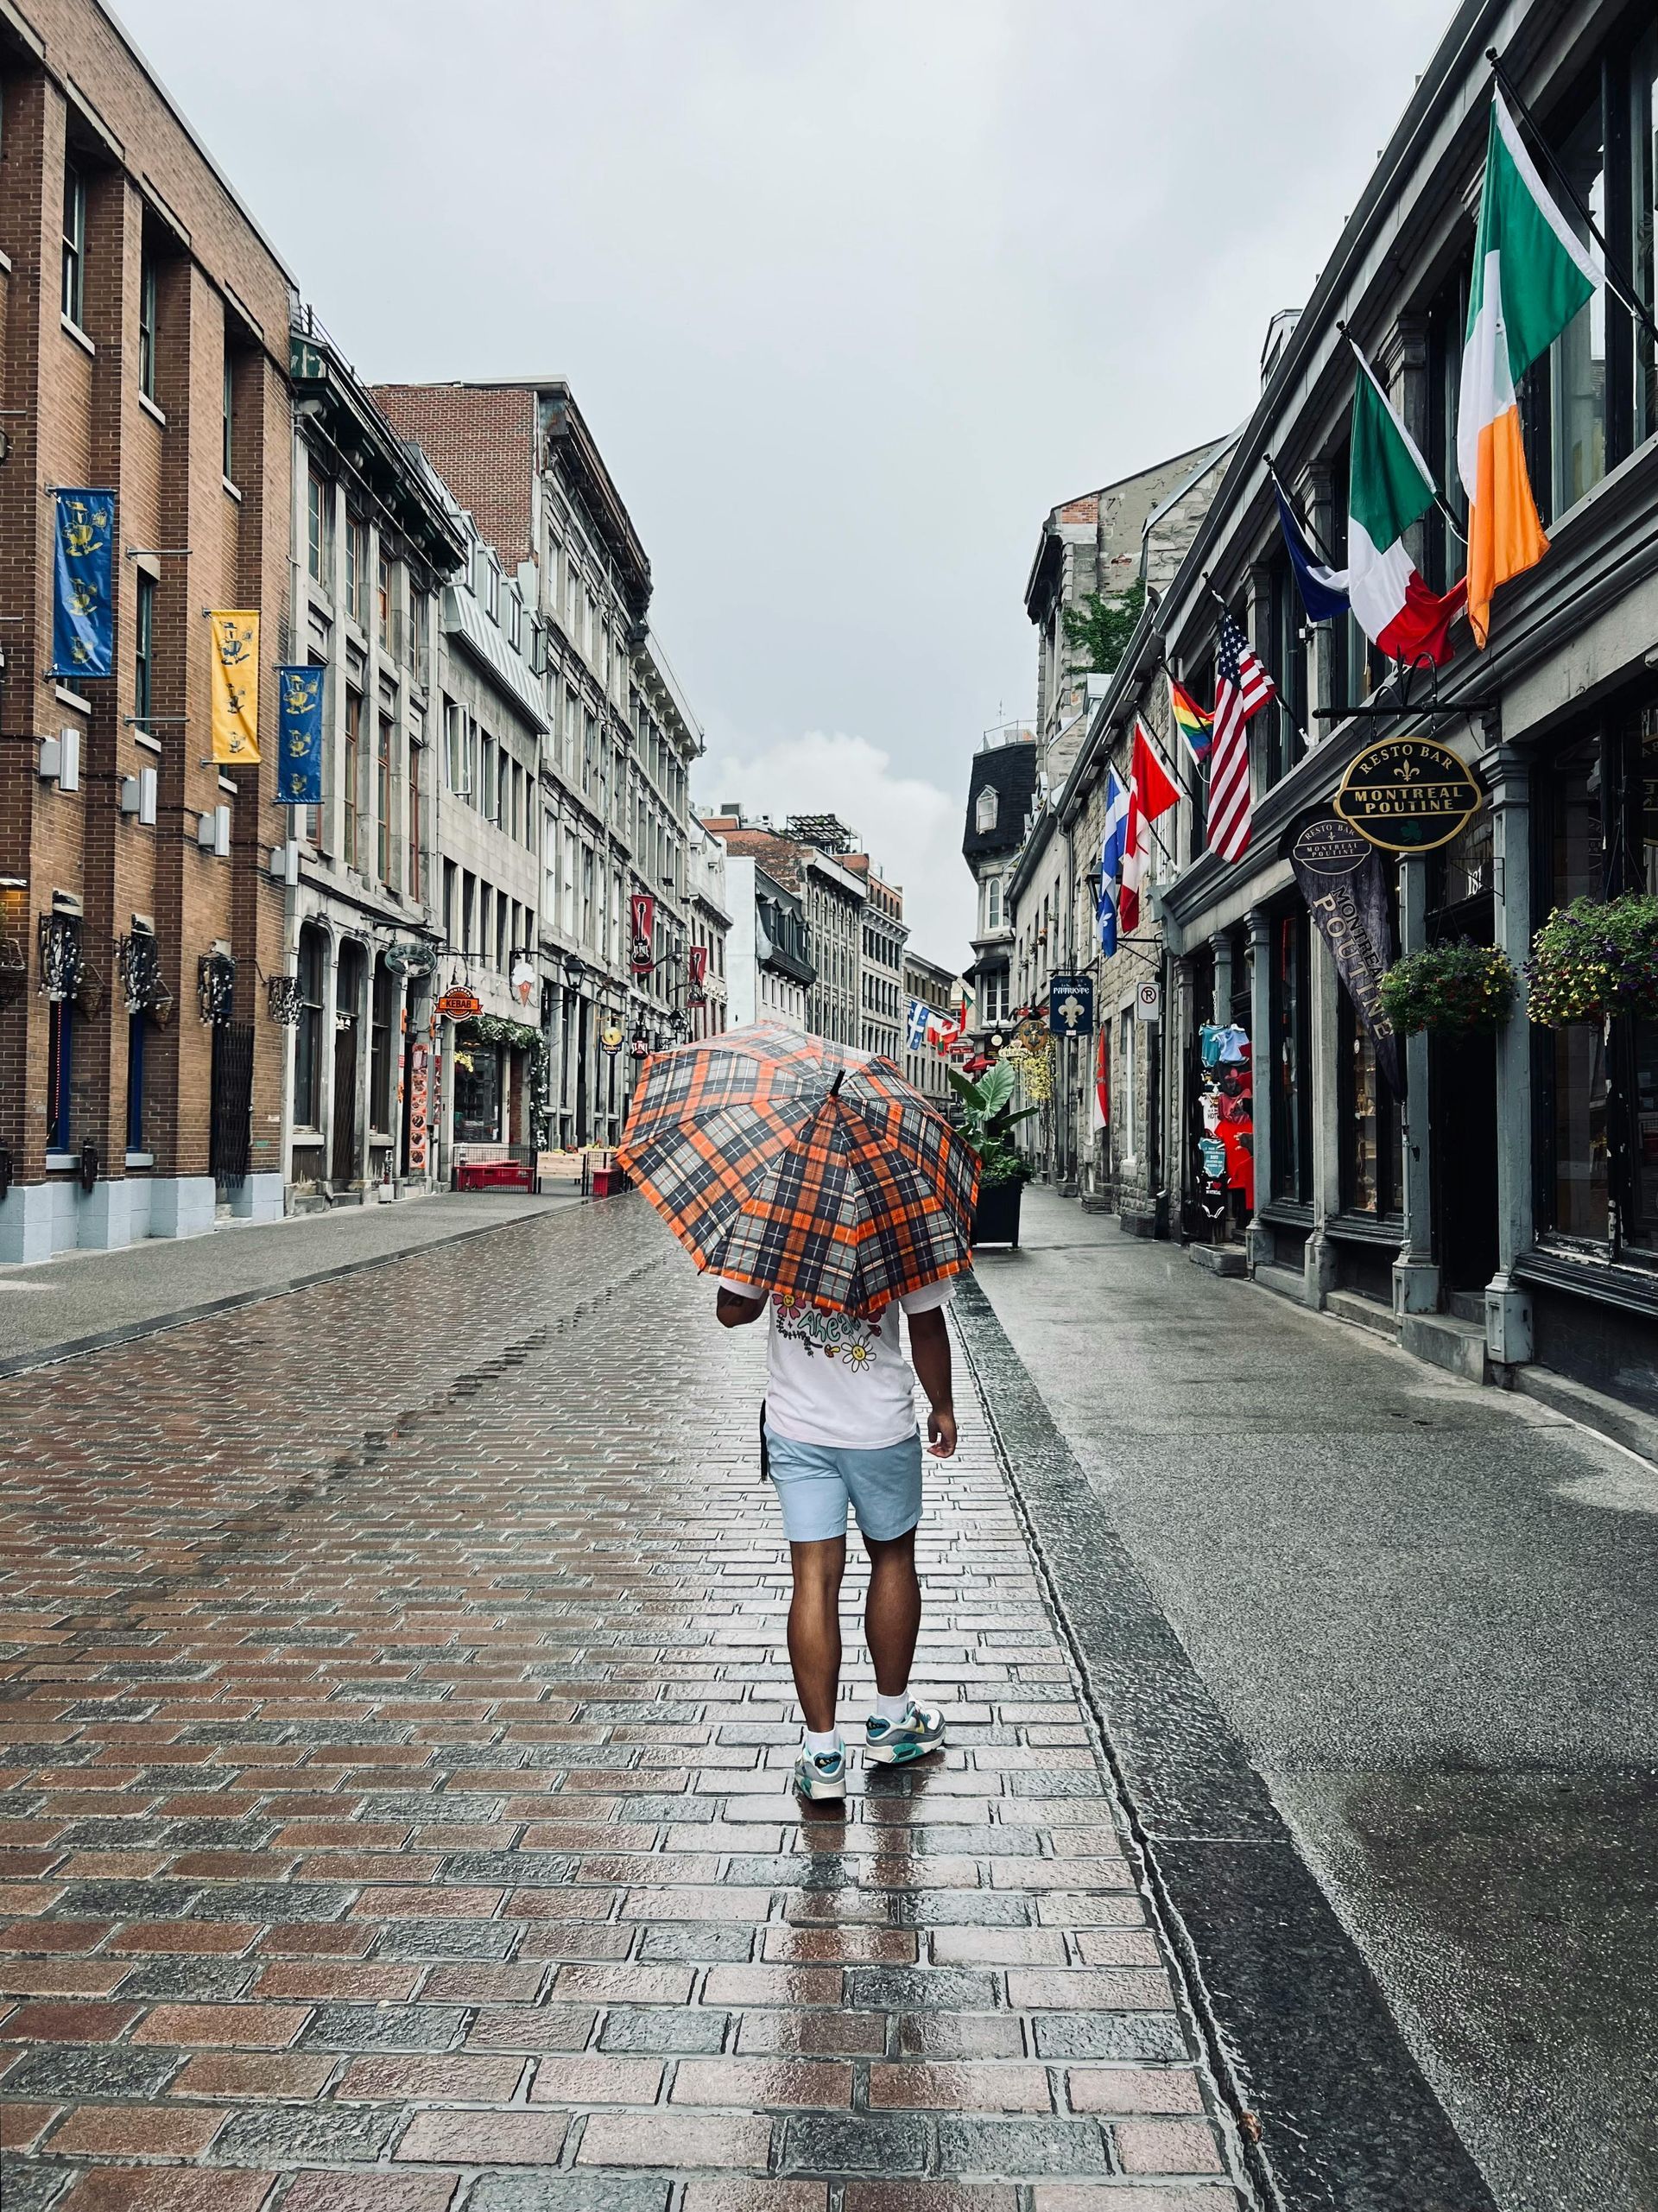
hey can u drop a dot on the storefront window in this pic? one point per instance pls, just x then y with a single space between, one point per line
307 1042
1290 1104
1601 1182
478 1094
1372 1168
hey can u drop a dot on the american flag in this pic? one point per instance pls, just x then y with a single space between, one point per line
1243 688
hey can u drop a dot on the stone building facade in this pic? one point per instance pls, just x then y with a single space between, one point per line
770 970
708 903
376 537
934 986
143 354
832 897
881 986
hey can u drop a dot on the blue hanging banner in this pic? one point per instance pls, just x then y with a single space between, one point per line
82 614
299 736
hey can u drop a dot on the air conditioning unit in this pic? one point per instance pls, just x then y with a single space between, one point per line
213 833
138 796
60 760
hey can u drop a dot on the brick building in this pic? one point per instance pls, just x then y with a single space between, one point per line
143 352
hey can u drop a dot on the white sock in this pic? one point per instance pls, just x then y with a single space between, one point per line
823 1744
891 1709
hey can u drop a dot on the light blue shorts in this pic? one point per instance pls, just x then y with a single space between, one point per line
817 1482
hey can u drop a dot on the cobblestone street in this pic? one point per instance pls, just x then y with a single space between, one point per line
397 1812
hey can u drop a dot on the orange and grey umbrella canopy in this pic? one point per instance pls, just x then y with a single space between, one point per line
796 1164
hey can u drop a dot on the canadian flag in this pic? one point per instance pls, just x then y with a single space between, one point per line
1152 791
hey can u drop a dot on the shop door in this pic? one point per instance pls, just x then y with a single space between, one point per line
342 1165
231 1130
1462 1117
1462 1077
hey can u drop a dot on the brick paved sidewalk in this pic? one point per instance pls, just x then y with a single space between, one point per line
398 1726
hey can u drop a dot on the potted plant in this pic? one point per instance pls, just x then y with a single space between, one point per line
1595 959
1450 988
987 1118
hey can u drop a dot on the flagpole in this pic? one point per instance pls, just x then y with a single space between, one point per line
1618 284
1319 545
1440 500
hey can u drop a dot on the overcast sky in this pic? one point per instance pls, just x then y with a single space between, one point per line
851 293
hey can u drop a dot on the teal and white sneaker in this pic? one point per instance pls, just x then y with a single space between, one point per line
818 1774
895 1743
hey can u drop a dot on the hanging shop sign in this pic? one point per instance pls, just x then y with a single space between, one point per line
1148 1002
610 1040
641 920
1341 877
458 1004
523 980
1071 1005
1408 794
696 969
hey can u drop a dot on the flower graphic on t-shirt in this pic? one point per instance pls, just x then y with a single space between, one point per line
820 1332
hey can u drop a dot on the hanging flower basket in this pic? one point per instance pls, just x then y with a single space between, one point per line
89 990
1449 990
1595 959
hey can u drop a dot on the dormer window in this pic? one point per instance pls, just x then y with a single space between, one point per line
985 818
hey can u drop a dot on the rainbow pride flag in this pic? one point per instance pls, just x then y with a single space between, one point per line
1194 725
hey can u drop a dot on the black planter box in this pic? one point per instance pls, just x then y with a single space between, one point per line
996 1218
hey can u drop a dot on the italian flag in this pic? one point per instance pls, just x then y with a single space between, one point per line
1390 487
1531 276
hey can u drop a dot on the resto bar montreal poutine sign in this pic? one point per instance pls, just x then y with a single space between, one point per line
1407 794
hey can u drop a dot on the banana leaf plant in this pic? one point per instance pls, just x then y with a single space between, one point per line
987 1118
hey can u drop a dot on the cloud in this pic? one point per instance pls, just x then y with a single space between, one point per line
912 827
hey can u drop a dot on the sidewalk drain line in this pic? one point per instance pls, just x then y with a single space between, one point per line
1251 2164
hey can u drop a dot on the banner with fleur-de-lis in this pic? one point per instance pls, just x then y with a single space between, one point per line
235 686
299 736
82 614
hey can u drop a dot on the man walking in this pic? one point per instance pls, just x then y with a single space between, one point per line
840 1429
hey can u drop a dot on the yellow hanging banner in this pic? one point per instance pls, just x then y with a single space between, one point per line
235 686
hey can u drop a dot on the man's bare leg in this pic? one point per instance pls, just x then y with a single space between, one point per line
814 1629
892 1615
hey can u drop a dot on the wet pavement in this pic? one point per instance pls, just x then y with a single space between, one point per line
1383 1671
397 1728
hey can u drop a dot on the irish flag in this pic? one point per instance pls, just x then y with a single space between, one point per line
1390 487
1531 276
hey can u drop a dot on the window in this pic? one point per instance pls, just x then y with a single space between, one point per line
307 1040
136 1025
382 596
486 583
586 896
1372 1150
986 810
412 877
415 640
380 1011
478 1094
487 796
1289 1100
60 1055
143 667
1600 1184
318 529
73 295
1643 216
227 454
147 320
357 567
382 800
1281 727
353 770
514 621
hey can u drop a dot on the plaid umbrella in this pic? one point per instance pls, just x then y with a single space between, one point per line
796 1165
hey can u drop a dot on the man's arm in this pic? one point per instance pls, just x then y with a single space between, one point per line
929 1347
734 1312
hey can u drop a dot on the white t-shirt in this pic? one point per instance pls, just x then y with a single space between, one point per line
838 1378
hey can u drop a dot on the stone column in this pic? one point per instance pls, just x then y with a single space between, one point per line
326 1047
1508 1304
1318 503
1260 930
1324 1075
1416 1272
1221 945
